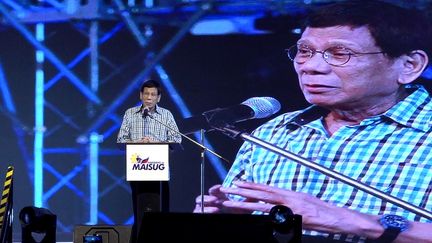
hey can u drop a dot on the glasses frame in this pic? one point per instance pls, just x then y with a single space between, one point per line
325 52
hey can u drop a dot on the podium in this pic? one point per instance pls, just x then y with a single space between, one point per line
147 170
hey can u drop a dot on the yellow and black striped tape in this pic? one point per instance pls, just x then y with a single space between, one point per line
5 194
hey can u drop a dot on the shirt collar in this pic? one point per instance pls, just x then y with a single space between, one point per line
308 115
414 111
140 110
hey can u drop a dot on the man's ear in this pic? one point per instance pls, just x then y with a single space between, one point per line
159 97
414 64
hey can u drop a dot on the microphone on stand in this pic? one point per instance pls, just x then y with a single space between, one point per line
255 107
146 112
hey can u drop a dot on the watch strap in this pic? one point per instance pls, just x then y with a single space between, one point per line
388 236
393 225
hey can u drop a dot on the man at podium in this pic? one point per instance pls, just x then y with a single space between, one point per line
148 123
139 127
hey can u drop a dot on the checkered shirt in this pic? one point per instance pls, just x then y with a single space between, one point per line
391 152
134 127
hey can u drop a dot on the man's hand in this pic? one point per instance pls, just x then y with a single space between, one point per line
212 202
148 139
316 214
215 203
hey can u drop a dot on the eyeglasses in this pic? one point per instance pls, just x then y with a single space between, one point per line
335 56
150 94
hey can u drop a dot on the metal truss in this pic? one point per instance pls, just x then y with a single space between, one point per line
77 175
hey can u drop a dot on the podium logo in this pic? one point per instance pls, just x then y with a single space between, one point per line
146 164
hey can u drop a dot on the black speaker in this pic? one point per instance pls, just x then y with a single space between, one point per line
192 227
108 233
38 225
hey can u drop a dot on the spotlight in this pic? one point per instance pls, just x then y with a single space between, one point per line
282 217
38 222
287 227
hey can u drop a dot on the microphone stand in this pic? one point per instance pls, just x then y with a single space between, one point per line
203 149
328 172
202 171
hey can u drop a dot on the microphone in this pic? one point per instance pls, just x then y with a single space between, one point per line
255 107
146 112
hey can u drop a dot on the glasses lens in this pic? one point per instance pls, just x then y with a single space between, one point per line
336 56
299 54
291 52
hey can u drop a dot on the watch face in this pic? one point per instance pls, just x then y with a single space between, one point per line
394 221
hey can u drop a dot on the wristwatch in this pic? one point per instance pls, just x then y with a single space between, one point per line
393 225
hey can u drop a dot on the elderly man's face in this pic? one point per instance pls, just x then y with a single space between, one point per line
363 82
150 97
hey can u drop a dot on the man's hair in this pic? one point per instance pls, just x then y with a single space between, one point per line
396 30
151 84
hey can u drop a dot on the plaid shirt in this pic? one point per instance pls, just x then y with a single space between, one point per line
134 127
391 152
